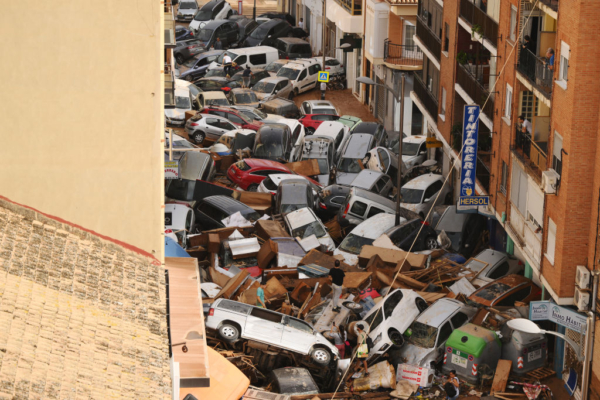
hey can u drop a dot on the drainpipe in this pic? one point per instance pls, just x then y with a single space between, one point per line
589 340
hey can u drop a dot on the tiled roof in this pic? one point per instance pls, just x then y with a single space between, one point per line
80 317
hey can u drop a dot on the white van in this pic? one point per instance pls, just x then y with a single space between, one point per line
255 57
302 74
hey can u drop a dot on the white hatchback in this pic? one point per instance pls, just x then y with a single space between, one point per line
424 192
303 223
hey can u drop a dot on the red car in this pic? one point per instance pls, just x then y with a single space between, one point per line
236 117
312 121
250 172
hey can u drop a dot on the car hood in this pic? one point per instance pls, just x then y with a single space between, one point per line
253 105
409 159
345 178
350 259
186 11
175 113
414 355
264 96
411 207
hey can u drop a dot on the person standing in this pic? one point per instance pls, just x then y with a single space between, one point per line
227 64
362 348
260 297
323 89
218 44
338 341
525 124
246 75
550 57
301 23
337 281
452 384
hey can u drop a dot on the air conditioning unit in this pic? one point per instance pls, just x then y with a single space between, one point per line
550 181
581 299
253 394
582 277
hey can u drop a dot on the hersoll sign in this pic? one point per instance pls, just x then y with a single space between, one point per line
469 150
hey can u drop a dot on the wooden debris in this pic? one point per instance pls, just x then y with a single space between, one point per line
541 373
501 376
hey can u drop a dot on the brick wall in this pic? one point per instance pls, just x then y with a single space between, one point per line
447 69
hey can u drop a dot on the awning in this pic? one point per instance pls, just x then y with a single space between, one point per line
342 18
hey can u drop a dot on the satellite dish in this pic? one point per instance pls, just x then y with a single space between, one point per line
524 325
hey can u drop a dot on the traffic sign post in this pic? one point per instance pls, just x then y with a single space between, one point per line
323 76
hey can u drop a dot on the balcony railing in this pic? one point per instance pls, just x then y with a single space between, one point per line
469 81
553 4
476 16
354 7
429 39
169 87
533 152
398 54
537 71
430 103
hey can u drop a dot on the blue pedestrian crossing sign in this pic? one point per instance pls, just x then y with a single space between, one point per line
323 76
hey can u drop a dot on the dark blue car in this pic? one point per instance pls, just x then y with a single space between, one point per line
197 65
182 33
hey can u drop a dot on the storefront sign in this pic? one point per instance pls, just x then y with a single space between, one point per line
546 310
413 374
432 142
469 150
171 169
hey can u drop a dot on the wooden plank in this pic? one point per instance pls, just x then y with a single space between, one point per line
411 282
356 280
326 261
232 285
501 376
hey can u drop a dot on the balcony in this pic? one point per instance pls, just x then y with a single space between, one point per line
477 17
169 31
169 87
354 7
552 4
471 78
532 153
536 70
409 56
429 39
430 103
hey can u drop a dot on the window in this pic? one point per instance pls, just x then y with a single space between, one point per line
446 37
358 208
296 324
500 271
410 30
508 101
188 221
551 242
513 23
337 200
443 107
258 59
313 69
431 77
445 333
241 60
266 315
565 52
390 303
504 178
374 211
557 153
518 295
433 189
459 319
235 306
375 319
235 119
518 189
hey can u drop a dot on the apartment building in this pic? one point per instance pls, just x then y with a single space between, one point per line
543 179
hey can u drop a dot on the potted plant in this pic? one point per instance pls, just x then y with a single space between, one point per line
456 134
462 57
476 32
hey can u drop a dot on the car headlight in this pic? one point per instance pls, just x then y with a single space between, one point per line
377 339
179 14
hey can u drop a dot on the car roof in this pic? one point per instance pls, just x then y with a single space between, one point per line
374 227
240 90
274 79
214 94
384 201
512 281
211 4
320 103
225 203
490 256
300 217
328 127
278 178
414 139
182 92
262 163
366 178
439 312
357 145
293 40
215 23
273 22
422 182
366 127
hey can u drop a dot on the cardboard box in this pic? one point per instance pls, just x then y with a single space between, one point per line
267 229
306 168
260 202
267 252
390 257
189 114
214 243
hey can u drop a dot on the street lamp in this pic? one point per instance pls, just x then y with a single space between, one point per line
400 99
343 46
527 326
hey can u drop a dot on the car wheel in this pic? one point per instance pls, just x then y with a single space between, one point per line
189 78
198 137
252 188
431 243
396 338
320 356
310 131
179 59
229 333
352 306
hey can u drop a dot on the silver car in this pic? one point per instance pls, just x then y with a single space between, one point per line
186 10
234 320
269 88
207 126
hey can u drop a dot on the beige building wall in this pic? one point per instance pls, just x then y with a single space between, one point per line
82 116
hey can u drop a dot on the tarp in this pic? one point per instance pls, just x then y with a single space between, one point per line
173 249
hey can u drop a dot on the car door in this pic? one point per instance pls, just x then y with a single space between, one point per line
214 128
443 334
430 194
313 74
297 335
264 326
236 120
302 83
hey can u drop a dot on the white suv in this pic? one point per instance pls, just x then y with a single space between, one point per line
211 11
233 320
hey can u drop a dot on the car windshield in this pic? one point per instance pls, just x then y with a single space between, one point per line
351 165
493 291
354 243
260 32
411 196
422 335
274 67
245 98
264 87
228 261
218 72
194 90
191 62
261 114
182 102
410 149
204 34
288 73
180 189
203 15
270 150
187 5
217 102
313 228
323 111
288 208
